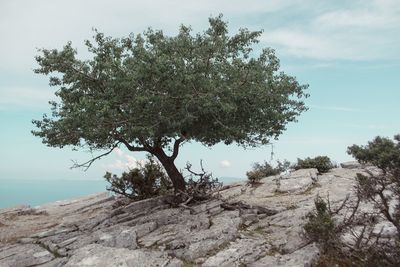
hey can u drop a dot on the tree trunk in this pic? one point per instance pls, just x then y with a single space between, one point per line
176 177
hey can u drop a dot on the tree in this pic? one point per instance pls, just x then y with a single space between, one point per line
381 188
356 232
152 92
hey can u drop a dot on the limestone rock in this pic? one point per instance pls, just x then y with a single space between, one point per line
350 165
243 226
24 255
238 253
304 257
99 256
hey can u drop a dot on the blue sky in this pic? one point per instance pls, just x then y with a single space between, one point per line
347 51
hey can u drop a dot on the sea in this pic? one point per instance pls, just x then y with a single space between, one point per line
35 192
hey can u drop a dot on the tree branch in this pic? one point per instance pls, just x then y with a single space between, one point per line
88 163
176 147
130 147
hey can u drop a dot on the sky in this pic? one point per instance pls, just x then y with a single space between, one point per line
347 51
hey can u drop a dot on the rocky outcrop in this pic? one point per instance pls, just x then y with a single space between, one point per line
241 226
350 165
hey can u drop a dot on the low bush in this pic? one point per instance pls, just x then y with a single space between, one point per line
320 226
145 181
321 163
264 170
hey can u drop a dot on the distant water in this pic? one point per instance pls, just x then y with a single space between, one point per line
36 192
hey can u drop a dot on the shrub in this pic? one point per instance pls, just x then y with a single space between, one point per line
260 171
264 170
384 154
143 182
321 163
320 226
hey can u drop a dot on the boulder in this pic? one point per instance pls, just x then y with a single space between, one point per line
350 165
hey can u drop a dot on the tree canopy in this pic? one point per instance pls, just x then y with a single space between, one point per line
151 92
381 152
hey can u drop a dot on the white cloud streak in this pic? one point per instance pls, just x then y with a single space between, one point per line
369 30
370 126
27 25
336 108
225 163
17 97
314 141
366 30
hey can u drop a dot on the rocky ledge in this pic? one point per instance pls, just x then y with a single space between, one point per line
241 226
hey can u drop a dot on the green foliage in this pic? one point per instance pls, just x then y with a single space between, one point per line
264 170
152 85
150 92
378 185
140 183
381 152
321 163
384 154
320 226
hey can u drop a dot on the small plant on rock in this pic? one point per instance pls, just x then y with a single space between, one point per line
321 163
320 226
265 169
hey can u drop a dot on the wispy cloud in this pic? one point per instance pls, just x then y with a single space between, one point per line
370 126
368 30
376 14
361 30
336 108
314 141
17 97
24 25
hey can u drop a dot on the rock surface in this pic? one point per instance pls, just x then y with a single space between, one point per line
350 165
242 226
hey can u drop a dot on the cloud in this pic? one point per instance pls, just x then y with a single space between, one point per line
358 31
27 25
367 30
17 97
378 14
225 163
302 44
118 151
336 108
123 162
370 126
314 141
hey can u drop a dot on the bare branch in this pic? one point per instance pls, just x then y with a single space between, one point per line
336 211
189 169
88 163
